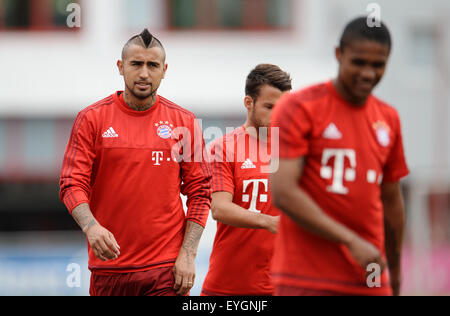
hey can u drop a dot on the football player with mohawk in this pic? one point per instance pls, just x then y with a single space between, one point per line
121 182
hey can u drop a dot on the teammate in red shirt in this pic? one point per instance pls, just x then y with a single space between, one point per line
341 159
241 204
121 180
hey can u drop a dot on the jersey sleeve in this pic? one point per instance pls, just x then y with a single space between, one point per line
294 127
396 167
222 168
77 164
196 177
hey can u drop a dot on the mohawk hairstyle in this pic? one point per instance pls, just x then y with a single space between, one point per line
147 37
144 39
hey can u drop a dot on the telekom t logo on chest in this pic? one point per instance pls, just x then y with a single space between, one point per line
255 193
338 173
157 157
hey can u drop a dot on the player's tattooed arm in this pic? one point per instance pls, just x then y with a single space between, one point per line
184 269
394 225
192 237
102 241
83 216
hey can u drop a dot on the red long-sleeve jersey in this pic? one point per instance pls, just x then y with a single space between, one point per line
122 163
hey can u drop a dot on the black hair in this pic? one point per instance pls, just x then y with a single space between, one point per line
144 39
147 37
359 29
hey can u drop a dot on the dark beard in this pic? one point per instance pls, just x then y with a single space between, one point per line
257 123
140 97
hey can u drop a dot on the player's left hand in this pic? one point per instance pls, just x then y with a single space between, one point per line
184 272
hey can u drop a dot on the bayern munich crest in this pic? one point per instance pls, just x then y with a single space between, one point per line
164 129
382 131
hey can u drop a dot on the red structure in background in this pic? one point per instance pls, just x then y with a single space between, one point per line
40 15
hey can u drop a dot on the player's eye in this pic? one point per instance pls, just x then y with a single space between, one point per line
378 65
358 62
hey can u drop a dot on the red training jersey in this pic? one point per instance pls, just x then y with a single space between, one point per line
241 257
120 162
349 151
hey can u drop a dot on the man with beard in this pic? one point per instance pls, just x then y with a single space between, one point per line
246 219
121 181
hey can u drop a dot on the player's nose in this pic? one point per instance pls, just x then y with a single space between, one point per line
368 74
144 74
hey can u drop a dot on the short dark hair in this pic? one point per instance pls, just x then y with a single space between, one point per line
267 74
359 29
144 39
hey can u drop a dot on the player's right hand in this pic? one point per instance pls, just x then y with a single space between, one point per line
365 253
103 243
272 223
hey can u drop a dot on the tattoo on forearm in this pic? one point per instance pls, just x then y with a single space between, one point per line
84 218
90 224
192 237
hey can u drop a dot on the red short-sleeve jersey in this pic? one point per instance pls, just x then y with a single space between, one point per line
349 151
240 259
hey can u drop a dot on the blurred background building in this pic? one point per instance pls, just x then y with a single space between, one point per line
50 71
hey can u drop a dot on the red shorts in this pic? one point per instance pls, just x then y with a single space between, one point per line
285 290
154 282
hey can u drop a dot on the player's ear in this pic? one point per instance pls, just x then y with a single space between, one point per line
338 53
166 66
120 67
248 102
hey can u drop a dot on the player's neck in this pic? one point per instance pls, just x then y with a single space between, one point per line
254 130
251 129
139 104
346 94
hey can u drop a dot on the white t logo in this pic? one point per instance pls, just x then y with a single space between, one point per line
255 193
338 173
157 156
